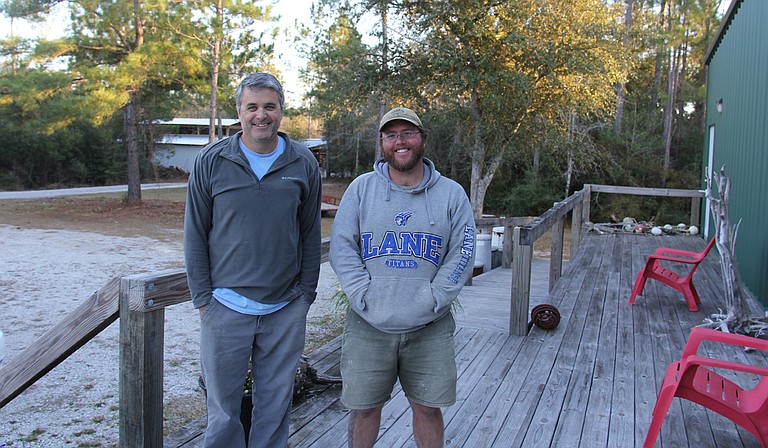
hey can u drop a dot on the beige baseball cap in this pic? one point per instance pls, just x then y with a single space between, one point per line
400 113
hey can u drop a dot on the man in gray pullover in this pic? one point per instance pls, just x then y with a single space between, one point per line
252 252
402 245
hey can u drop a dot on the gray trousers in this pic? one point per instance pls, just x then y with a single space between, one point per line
274 343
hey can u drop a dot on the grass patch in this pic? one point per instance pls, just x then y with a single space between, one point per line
34 435
179 411
85 432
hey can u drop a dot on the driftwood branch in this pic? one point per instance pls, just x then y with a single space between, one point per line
737 318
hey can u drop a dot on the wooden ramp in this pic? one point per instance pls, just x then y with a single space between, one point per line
591 382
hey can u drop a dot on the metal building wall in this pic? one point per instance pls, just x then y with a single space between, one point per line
738 77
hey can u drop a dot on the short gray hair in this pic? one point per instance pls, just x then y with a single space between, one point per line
260 81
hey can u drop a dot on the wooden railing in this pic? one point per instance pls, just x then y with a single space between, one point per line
486 225
140 301
523 238
519 248
55 345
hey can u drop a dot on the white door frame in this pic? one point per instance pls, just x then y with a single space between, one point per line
710 161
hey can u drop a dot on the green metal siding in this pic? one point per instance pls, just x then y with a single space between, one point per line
738 73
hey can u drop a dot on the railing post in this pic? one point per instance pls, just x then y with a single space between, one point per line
695 211
506 253
556 253
521 287
576 226
141 371
587 203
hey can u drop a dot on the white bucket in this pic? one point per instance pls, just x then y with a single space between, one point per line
483 251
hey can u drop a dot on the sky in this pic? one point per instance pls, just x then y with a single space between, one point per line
290 11
287 57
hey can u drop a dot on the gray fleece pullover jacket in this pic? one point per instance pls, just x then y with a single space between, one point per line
260 237
402 254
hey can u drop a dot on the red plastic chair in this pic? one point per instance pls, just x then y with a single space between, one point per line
654 270
691 379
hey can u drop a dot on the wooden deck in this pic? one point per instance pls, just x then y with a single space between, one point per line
591 382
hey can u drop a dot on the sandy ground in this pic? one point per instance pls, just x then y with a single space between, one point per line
46 273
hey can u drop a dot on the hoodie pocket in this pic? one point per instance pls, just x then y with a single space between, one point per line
398 304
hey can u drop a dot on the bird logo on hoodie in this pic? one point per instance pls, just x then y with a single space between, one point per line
401 219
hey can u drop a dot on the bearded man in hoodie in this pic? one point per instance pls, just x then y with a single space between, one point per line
402 245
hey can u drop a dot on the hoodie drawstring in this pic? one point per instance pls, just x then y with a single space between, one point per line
429 210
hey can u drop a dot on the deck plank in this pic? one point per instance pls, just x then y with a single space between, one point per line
542 430
472 409
592 381
596 416
470 363
536 368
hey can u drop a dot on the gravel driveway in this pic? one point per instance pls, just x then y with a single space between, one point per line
46 273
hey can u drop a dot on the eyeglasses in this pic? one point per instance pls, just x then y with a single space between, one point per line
406 135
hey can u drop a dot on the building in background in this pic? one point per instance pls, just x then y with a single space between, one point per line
737 132
180 139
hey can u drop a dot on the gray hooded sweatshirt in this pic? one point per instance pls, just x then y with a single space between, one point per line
402 254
